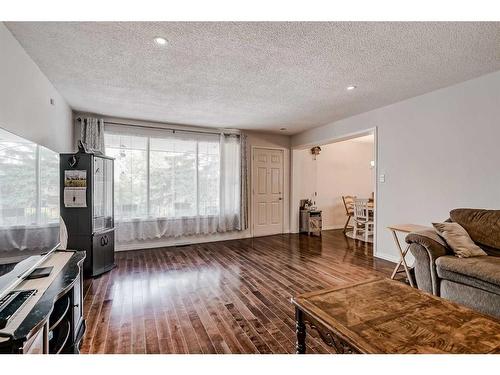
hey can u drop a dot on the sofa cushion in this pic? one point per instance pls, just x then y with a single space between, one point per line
458 239
475 298
480 272
483 227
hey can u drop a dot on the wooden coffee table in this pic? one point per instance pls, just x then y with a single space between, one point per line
386 316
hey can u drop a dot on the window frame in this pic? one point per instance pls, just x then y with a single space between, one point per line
149 217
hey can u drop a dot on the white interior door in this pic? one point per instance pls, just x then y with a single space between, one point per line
267 189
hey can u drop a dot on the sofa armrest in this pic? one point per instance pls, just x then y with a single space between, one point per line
426 246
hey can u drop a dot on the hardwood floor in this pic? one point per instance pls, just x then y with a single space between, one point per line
220 297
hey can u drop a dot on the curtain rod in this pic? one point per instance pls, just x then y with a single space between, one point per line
164 128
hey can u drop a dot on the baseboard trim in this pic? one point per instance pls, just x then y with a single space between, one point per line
180 242
194 241
332 227
389 257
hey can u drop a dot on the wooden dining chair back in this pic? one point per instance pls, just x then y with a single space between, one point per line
361 209
349 208
349 204
363 221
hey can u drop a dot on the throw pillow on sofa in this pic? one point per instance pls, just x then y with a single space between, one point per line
458 240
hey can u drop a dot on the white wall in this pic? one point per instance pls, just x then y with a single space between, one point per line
25 95
342 168
438 151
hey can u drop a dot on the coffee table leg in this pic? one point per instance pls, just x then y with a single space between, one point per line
300 329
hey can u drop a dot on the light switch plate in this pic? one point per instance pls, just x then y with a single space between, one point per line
382 178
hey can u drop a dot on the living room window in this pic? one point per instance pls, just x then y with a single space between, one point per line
174 183
34 201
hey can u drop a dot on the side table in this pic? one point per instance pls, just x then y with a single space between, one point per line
403 228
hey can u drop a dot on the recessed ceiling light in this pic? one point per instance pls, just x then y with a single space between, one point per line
352 87
282 129
160 41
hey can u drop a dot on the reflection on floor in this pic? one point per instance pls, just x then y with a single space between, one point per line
220 297
359 236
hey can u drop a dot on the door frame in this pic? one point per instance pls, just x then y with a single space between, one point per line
344 137
285 188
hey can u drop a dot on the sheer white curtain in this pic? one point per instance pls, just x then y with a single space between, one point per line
230 183
170 184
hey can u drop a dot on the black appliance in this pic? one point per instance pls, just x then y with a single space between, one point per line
87 208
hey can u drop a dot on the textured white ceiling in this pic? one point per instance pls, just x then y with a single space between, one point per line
261 76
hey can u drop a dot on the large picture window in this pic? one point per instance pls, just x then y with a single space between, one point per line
29 183
174 183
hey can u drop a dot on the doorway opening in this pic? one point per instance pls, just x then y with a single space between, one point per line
335 179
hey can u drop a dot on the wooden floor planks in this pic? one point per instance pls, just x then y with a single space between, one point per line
220 297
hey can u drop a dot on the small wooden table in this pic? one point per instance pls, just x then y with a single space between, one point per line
403 228
386 316
311 222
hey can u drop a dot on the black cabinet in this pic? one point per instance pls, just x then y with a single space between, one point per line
103 251
89 218
53 321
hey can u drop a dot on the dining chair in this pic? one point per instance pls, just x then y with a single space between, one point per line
363 221
349 208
